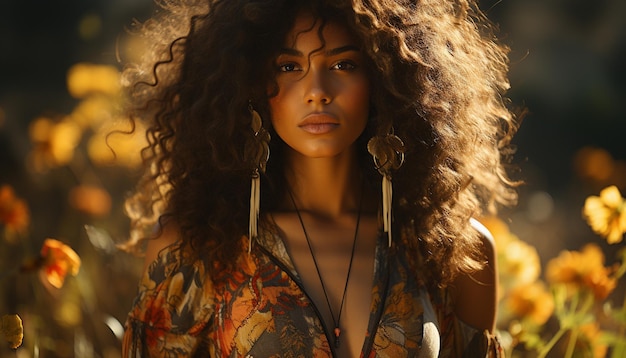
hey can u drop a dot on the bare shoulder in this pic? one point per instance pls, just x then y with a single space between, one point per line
485 234
169 235
476 294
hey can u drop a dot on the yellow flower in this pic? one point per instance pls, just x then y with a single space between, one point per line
606 214
518 261
531 301
93 111
584 269
84 79
13 212
54 143
114 145
58 261
499 229
12 330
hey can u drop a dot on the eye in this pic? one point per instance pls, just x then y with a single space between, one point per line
288 67
344 66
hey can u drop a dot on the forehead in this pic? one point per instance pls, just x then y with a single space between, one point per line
306 30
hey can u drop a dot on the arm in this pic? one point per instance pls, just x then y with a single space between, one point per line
173 304
476 294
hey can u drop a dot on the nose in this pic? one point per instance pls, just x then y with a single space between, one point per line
317 87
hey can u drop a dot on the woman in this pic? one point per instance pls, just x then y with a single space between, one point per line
274 234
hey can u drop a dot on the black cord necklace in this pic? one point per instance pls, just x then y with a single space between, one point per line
337 330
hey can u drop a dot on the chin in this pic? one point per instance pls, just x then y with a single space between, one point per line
320 153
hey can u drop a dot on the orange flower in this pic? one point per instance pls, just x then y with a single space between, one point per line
91 200
12 330
584 269
58 260
531 301
606 214
589 340
13 211
593 163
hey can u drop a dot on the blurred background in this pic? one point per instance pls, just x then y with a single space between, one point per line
58 73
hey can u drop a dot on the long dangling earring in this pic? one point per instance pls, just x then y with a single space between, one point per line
258 150
388 153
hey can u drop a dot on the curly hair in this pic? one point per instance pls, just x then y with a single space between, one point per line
439 75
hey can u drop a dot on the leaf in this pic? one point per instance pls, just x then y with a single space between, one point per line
100 239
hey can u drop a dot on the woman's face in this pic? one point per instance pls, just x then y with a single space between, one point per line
322 103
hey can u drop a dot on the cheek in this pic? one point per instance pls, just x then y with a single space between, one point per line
275 106
360 87
360 99
279 104
278 113
365 90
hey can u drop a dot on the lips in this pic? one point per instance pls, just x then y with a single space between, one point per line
319 123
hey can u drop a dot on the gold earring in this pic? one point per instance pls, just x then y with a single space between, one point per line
388 153
258 151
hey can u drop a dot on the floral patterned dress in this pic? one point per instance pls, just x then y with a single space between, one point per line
262 310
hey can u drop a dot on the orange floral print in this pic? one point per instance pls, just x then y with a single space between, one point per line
160 320
259 309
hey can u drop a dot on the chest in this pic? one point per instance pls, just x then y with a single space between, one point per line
336 268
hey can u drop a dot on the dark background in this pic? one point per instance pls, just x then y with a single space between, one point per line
567 69
568 59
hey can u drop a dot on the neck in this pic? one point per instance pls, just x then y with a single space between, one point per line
328 187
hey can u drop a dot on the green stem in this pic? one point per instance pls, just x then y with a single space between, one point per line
548 347
574 304
620 346
618 350
587 303
622 267
572 343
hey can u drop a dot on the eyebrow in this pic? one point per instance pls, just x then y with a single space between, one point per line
331 52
